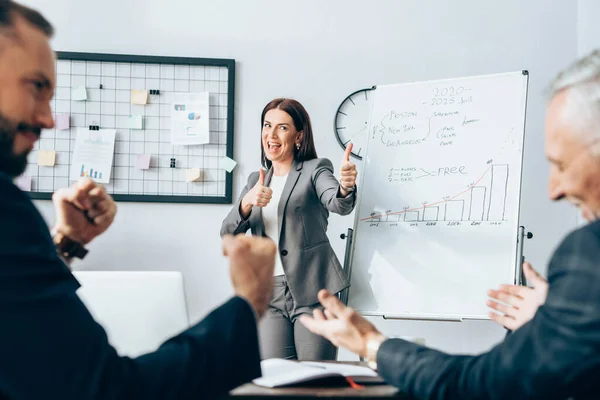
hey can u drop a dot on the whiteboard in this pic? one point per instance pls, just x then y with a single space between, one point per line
438 214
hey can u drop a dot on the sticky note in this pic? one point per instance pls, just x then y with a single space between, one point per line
79 93
139 97
46 158
62 122
142 161
136 122
24 183
192 174
228 164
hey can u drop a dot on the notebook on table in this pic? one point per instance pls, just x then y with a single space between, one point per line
278 372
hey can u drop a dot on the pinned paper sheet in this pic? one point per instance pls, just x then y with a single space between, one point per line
46 158
228 164
93 155
62 122
190 115
142 161
192 174
139 97
24 183
79 93
136 122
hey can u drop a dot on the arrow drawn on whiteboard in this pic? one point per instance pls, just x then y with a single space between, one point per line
427 173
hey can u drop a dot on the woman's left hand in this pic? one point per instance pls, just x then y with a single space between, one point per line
347 173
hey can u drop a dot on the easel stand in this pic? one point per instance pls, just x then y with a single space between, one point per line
347 264
520 278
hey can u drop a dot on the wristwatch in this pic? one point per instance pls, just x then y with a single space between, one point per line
67 247
373 345
349 190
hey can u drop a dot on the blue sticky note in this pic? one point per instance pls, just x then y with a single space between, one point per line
136 122
79 93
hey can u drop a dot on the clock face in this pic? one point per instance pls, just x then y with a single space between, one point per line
352 121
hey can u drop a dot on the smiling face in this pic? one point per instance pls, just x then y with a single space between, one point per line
574 160
279 136
27 80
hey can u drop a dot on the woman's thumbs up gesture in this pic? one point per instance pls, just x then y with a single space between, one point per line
259 196
347 173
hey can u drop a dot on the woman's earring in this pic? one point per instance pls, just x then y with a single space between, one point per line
298 146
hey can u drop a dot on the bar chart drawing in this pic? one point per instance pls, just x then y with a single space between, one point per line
431 214
483 200
454 210
411 216
393 218
477 204
498 189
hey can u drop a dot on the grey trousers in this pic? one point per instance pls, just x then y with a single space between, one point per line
281 333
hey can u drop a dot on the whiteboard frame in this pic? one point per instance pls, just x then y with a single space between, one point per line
518 257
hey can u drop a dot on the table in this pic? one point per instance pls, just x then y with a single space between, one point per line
375 391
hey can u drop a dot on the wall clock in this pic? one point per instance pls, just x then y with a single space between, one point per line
352 121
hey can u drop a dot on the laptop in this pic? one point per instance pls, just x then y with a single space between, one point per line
138 309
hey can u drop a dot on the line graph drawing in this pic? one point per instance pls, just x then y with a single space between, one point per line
479 202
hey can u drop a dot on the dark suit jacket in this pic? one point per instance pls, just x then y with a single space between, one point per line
51 347
309 194
556 355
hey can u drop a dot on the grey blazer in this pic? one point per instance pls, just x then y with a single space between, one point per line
308 260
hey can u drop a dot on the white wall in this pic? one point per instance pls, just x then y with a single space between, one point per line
588 37
588 26
318 52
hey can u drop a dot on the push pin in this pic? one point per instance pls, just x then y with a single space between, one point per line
94 128
101 87
172 163
154 92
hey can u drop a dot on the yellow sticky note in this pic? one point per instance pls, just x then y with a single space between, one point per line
46 158
139 97
192 174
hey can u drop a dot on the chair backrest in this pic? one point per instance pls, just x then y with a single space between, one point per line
139 309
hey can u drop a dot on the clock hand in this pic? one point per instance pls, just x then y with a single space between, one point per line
358 133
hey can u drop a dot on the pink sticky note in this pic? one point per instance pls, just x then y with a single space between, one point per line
142 161
24 183
62 122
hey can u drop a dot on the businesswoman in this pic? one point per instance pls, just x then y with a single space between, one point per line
290 203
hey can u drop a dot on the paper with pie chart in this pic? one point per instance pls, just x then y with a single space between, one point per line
438 214
190 117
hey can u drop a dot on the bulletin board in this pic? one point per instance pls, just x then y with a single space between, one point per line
109 80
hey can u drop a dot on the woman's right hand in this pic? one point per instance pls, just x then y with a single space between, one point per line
258 196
